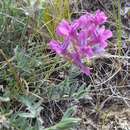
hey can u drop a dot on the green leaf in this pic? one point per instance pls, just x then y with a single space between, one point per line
24 61
4 99
65 124
82 92
69 112
25 100
33 107
26 115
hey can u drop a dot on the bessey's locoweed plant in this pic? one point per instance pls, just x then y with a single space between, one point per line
82 39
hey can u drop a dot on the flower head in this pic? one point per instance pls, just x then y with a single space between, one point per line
83 38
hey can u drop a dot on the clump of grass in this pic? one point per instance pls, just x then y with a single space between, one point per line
56 11
118 22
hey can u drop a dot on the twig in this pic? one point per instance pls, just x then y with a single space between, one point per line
111 56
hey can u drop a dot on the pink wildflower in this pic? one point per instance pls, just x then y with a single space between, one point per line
83 38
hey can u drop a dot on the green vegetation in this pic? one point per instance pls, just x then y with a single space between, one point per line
40 90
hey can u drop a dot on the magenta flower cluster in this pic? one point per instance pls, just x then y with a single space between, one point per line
82 39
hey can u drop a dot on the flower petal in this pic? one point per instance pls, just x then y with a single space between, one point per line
107 34
63 29
86 51
55 46
100 17
78 63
